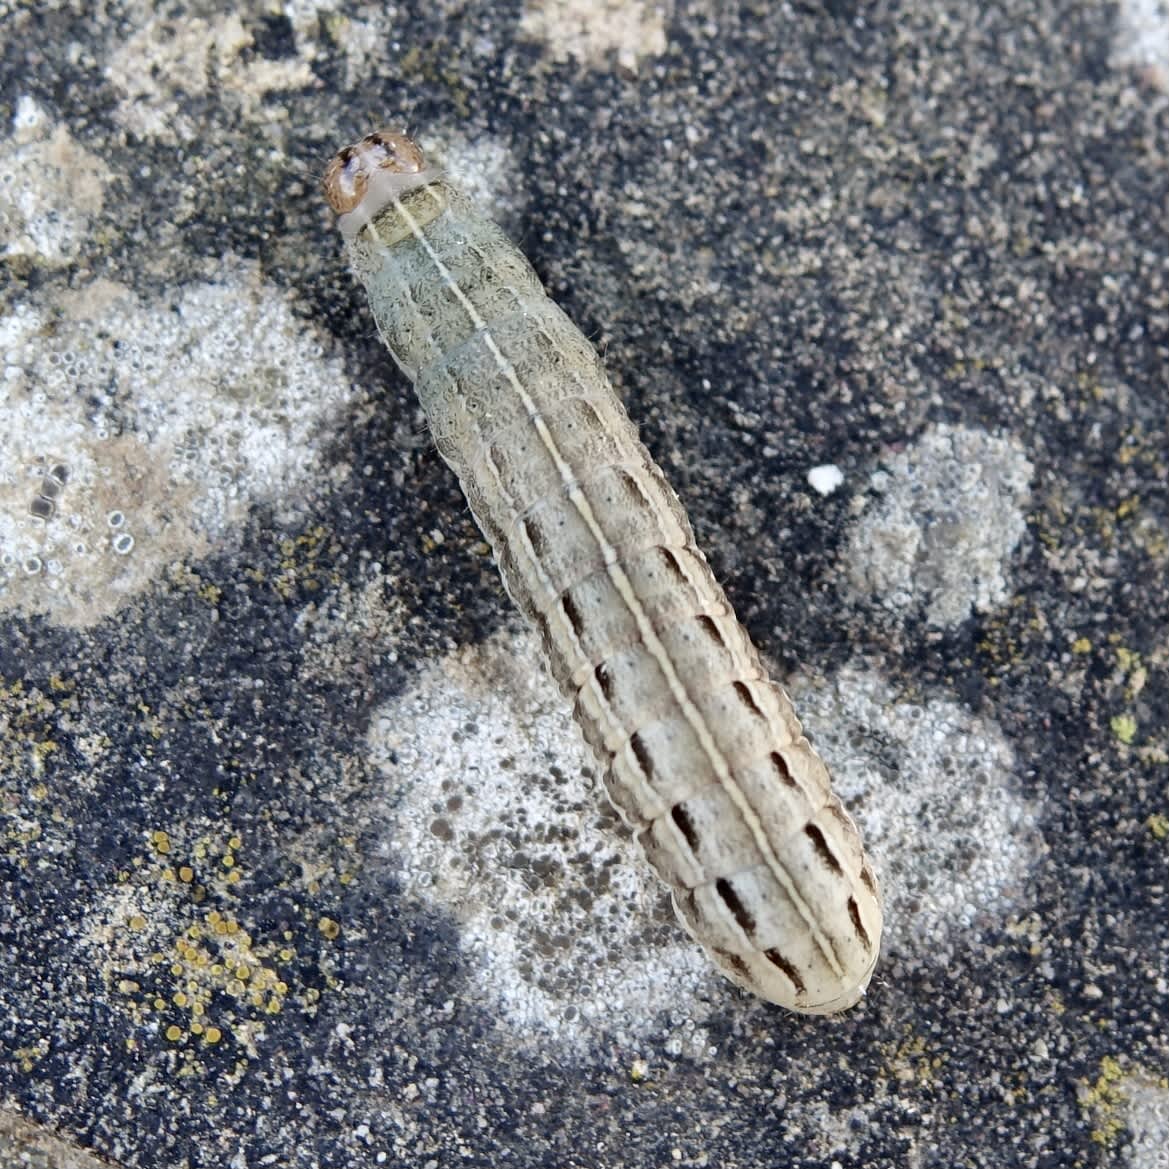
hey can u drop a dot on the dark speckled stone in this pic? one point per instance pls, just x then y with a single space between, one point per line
801 234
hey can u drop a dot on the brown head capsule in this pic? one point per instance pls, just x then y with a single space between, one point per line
362 178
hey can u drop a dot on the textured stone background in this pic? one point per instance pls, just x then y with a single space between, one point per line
303 863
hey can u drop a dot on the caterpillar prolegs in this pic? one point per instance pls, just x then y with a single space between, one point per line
703 754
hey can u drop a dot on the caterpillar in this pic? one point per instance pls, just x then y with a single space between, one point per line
703 755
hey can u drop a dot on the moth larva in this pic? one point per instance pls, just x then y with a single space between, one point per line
704 756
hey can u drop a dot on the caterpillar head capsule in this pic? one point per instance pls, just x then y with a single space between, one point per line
381 168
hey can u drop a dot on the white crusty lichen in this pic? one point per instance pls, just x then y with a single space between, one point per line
591 32
935 789
493 813
139 433
51 189
944 518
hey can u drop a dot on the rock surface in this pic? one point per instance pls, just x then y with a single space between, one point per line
304 863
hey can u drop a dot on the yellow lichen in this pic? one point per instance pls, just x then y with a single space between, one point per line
224 981
1106 1098
31 1054
1124 727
